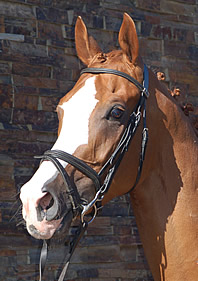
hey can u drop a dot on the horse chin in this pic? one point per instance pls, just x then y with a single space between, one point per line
65 224
47 229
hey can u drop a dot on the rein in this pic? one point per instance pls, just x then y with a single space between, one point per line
79 205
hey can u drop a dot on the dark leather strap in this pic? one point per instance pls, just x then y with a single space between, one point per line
43 259
71 189
115 72
79 233
144 132
77 163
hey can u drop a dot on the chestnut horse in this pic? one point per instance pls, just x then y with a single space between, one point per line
93 118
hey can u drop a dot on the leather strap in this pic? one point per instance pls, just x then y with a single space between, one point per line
144 131
77 163
71 189
115 72
43 259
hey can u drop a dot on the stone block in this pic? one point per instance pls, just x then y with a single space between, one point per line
61 60
5 68
123 221
35 82
26 102
99 240
17 10
122 230
128 253
6 170
153 19
172 48
49 103
51 92
153 5
25 90
39 120
5 79
62 74
146 28
68 32
51 15
130 239
65 86
97 254
7 253
49 31
5 115
27 49
100 230
31 70
178 8
183 35
49 61
120 210
6 97
101 221
123 7
12 37
193 52
20 27
88 273
162 32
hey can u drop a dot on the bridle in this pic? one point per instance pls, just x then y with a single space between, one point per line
79 205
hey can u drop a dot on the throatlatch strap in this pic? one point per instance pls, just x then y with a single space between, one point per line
144 132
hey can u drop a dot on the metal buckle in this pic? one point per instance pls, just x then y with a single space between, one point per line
92 204
145 92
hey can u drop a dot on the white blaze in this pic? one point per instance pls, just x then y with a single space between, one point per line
74 132
77 111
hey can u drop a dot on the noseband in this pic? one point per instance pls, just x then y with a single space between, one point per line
79 205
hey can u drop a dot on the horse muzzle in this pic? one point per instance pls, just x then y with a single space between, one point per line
47 212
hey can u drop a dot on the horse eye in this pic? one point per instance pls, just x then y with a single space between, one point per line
116 112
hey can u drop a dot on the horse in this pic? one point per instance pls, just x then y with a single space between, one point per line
103 151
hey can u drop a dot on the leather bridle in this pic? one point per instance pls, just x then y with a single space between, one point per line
79 205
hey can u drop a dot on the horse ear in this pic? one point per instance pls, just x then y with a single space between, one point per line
86 46
128 39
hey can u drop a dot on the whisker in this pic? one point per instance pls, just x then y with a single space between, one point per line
22 222
14 217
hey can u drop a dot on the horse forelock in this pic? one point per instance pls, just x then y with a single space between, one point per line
116 59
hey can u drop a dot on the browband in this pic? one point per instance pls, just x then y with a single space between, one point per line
118 73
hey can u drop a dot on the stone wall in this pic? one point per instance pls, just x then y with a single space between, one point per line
38 65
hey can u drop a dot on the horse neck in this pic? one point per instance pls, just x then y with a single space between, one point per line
165 201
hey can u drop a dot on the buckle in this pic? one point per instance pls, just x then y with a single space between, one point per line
145 93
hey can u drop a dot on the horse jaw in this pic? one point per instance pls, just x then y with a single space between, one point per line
77 111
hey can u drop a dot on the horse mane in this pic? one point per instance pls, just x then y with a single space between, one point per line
187 108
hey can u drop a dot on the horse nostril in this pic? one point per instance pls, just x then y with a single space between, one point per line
46 202
48 207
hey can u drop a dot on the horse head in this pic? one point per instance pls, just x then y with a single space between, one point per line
93 118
